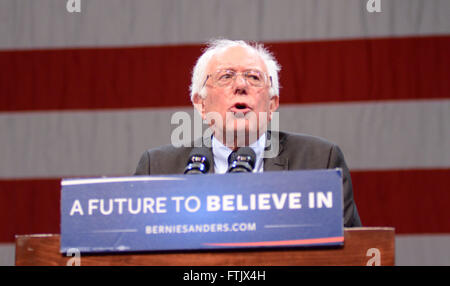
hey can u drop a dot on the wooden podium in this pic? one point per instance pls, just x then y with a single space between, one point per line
362 246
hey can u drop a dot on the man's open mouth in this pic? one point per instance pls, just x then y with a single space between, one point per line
240 107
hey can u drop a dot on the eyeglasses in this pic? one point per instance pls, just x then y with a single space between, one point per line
223 78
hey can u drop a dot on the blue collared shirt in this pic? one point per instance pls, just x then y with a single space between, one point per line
222 152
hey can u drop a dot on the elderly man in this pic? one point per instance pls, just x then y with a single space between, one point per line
235 88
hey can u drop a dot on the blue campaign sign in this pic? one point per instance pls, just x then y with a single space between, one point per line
193 212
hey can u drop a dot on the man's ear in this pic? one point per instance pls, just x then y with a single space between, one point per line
274 104
199 104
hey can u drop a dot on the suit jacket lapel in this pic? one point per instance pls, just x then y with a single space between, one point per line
275 164
279 162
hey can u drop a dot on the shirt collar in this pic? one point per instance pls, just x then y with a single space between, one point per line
222 152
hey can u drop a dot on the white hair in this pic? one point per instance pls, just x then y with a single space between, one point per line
219 45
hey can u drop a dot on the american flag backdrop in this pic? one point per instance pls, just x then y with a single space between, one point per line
85 93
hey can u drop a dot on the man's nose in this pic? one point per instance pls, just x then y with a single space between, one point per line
240 85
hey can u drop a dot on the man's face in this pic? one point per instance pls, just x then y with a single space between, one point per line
242 107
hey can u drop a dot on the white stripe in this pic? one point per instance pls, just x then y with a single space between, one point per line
81 143
7 254
380 135
30 24
73 182
423 250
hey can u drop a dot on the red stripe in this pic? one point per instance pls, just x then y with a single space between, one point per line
28 207
412 201
323 71
283 242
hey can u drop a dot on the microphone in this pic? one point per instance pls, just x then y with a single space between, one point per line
199 161
242 161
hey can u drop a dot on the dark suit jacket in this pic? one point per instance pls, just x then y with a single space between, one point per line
296 152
